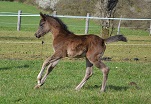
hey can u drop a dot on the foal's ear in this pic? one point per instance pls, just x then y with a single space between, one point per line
42 16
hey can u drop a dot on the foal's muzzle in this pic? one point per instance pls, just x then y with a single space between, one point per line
37 36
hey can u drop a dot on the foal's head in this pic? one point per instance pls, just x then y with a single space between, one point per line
50 24
43 26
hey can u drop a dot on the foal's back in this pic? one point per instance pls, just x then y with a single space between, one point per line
79 45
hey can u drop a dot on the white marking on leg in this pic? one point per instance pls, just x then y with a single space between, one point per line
39 77
105 76
49 69
88 74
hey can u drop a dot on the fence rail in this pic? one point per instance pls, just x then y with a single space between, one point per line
82 17
20 14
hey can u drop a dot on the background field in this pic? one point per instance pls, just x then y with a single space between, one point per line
21 57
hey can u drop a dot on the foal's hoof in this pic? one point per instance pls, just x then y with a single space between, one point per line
37 87
102 90
77 88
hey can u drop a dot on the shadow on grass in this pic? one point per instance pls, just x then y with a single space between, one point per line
16 38
56 88
17 67
112 87
117 88
141 40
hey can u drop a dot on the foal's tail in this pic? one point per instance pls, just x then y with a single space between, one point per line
115 39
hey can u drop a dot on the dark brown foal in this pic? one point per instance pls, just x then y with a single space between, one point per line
67 44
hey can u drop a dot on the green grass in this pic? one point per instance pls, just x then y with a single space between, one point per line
10 23
15 6
18 78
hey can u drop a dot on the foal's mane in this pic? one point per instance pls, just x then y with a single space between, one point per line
64 26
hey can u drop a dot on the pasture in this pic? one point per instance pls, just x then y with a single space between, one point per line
21 57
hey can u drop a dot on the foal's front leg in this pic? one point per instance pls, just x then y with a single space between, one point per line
51 62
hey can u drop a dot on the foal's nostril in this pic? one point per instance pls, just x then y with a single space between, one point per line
36 35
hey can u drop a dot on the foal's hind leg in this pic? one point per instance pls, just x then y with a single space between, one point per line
105 71
88 74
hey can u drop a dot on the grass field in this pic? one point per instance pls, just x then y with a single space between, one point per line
21 57
18 78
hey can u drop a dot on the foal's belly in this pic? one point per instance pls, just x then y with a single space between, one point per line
76 54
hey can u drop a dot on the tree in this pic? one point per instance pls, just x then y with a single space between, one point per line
47 4
106 9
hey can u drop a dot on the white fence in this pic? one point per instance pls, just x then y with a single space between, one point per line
88 17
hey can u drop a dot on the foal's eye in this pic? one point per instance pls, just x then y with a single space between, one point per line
42 24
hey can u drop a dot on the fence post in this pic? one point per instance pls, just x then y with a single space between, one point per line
87 24
118 28
54 13
150 29
19 20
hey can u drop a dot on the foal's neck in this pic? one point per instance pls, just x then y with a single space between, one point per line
58 29
59 33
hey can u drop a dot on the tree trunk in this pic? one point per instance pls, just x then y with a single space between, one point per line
107 9
105 33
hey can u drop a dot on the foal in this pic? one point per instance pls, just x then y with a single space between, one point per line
67 44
